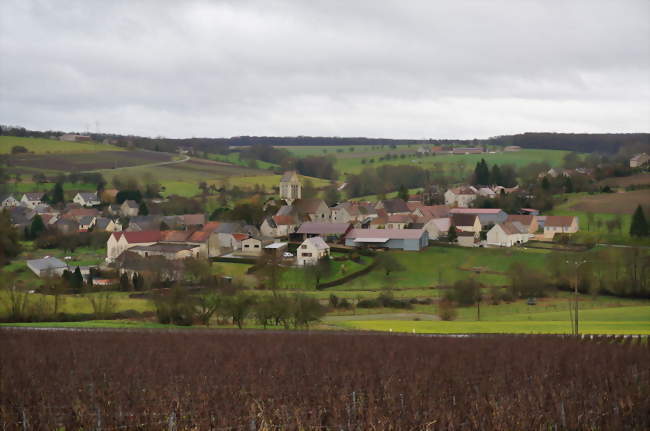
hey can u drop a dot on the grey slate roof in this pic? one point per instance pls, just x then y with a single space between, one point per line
46 263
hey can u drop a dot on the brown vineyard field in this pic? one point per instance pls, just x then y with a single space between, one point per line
356 381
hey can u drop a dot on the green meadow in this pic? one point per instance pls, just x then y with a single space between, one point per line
52 146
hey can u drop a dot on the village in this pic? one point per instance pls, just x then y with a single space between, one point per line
306 221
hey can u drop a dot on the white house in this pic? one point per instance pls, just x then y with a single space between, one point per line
278 226
460 196
639 160
8 201
119 242
129 208
312 250
437 227
86 199
560 224
508 234
31 200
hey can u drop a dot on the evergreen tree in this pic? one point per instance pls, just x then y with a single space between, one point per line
403 193
143 210
77 280
639 226
452 235
495 175
332 195
568 185
57 193
125 284
546 185
481 173
37 227
9 241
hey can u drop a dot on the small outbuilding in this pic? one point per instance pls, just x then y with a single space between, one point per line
47 266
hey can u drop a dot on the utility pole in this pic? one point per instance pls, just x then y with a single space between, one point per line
575 328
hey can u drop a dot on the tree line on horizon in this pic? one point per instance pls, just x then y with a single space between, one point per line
608 143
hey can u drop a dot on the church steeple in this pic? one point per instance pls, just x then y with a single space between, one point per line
290 187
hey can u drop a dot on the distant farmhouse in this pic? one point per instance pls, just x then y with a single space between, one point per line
639 160
71 137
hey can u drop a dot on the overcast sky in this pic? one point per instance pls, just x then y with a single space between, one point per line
378 68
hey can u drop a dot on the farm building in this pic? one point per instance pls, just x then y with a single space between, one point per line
71 137
254 246
401 239
486 215
462 150
511 148
639 160
312 250
330 232
47 266
166 250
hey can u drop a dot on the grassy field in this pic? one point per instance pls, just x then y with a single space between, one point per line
29 186
604 207
52 146
351 162
638 179
598 315
445 265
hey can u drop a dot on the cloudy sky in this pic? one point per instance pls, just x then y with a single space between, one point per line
402 69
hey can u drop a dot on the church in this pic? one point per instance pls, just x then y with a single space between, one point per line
290 187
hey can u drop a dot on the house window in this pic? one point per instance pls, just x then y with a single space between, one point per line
303 246
246 246
257 246
306 255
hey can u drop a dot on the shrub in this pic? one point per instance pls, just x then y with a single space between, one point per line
446 310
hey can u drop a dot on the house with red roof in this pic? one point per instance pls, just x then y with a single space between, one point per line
119 242
487 216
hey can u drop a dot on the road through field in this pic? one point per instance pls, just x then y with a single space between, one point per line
148 165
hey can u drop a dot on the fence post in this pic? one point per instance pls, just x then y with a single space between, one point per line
25 422
171 422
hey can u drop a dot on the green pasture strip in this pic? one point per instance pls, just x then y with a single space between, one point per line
483 327
45 146
449 163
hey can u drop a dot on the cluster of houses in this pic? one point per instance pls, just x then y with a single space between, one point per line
80 215
308 222
311 223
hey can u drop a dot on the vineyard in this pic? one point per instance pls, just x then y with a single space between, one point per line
69 380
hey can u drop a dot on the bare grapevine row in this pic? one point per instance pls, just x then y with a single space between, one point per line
212 380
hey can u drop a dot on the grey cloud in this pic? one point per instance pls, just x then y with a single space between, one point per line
390 68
